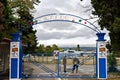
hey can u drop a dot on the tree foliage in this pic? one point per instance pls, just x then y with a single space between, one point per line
108 46
6 19
47 50
41 48
108 12
78 48
21 12
55 47
15 15
112 63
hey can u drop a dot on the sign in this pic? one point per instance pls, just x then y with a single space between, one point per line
14 60
101 68
14 50
102 53
56 53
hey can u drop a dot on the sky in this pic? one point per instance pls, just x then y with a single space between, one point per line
64 33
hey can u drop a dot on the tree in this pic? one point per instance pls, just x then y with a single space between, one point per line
108 12
1 15
21 12
54 47
48 50
1 19
41 48
6 20
78 48
112 62
108 46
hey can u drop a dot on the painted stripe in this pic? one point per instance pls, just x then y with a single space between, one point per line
102 68
14 66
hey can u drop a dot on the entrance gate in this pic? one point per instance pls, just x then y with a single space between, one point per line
49 67
99 57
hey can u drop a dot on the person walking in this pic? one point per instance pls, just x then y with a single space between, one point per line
75 64
64 63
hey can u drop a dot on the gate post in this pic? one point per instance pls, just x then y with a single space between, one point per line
15 58
58 66
101 57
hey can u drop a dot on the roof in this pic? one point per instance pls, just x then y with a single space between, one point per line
5 41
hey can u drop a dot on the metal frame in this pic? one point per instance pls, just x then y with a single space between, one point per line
67 20
16 37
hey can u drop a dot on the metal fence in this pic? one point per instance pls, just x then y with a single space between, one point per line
49 67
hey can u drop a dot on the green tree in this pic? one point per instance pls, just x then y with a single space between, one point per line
108 46
6 20
112 62
1 19
78 48
111 59
21 11
48 50
14 16
54 47
41 48
108 12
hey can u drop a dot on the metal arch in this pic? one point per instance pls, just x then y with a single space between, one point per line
45 15
66 21
96 29
82 19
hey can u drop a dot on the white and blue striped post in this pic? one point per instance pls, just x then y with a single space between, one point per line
58 67
101 57
15 57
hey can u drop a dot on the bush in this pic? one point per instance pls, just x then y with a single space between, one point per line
112 62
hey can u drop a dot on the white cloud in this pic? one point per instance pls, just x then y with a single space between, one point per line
64 33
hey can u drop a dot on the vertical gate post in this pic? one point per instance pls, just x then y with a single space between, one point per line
101 57
58 66
15 57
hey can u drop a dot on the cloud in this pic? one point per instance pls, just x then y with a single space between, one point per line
84 33
43 11
63 33
43 34
59 26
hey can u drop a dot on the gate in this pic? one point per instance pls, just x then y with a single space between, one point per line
48 67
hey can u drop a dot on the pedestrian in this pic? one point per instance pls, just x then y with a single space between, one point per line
64 63
76 63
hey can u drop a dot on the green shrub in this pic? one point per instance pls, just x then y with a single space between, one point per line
112 62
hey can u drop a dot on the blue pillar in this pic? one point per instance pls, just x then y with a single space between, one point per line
15 57
58 66
101 57
20 61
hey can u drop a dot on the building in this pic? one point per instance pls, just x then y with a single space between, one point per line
4 55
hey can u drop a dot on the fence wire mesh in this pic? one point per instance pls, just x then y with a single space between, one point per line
47 68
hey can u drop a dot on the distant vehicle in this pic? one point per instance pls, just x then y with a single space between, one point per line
71 54
67 53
